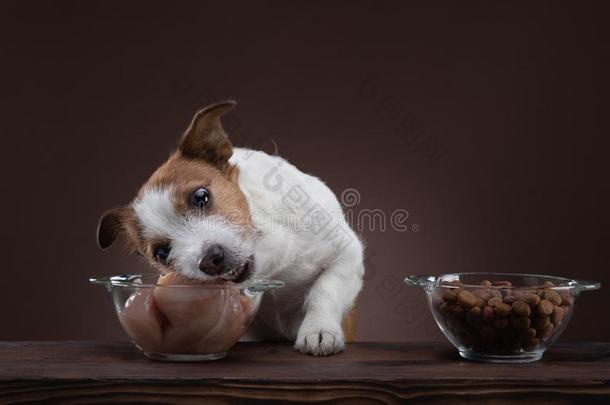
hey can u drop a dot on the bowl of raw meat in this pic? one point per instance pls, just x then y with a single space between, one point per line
169 317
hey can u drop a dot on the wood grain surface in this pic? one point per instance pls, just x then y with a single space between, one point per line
101 372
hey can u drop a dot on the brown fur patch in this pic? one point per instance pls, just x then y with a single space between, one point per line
185 175
350 325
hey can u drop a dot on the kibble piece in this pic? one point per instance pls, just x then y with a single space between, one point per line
481 293
528 334
531 299
520 322
466 299
541 322
519 294
450 295
528 291
458 312
480 302
544 308
501 323
494 292
444 308
486 283
503 283
557 315
509 299
532 344
547 284
546 333
494 301
488 314
502 309
487 334
521 308
567 298
551 296
474 316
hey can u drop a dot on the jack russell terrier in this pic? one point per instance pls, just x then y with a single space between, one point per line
212 211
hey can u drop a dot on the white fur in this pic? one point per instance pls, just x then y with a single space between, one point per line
190 235
156 213
322 268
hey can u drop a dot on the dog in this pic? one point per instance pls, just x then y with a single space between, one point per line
212 211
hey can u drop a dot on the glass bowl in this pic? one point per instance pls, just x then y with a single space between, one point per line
501 317
183 321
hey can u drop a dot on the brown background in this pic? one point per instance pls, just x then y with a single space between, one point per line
488 123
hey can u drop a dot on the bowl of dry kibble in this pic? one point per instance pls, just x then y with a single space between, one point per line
501 317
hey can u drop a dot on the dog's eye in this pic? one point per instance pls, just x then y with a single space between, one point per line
161 253
200 197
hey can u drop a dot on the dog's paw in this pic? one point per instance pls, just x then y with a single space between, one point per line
319 342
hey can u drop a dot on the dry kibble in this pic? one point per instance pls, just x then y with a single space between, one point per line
547 284
481 293
450 295
494 292
531 299
544 308
509 299
505 333
501 323
488 314
532 344
528 334
541 322
520 322
546 333
567 298
551 296
557 315
466 299
521 308
502 309
474 316
487 334
458 312
444 308
515 293
494 316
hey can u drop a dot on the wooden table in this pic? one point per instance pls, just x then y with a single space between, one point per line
99 372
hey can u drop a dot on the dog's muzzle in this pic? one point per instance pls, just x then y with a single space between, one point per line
215 264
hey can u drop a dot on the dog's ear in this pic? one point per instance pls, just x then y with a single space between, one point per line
206 139
111 223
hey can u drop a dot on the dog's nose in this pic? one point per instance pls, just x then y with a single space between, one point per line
214 261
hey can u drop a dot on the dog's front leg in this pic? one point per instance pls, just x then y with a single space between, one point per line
328 300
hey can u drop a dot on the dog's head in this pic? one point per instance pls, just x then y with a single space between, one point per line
190 216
